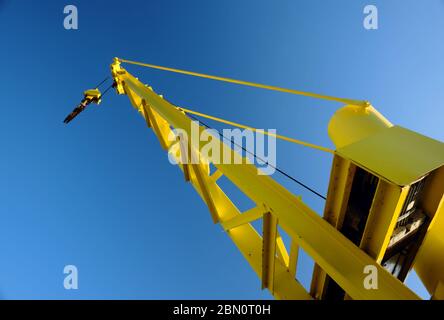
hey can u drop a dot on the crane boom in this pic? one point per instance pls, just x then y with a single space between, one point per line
384 211
331 250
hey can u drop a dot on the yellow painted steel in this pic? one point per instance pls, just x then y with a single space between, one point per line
333 252
159 125
184 156
282 252
384 213
93 95
429 262
269 234
438 293
246 217
293 258
277 136
341 179
216 175
353 123
354 102
399 158
396 154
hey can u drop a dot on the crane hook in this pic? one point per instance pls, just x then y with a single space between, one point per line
90 96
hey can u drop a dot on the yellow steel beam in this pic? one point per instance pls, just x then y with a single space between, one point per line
145 115
246 217
184 156
249 242
354 102
269 235
282 252
429 262
216 175
156 122
340 183
277 136
293 258
202 180
334 253
384 213
438 294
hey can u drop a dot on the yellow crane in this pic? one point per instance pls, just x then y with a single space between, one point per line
384 211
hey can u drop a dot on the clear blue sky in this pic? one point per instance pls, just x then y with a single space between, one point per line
100 193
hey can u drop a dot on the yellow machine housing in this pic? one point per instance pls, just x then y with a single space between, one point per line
386 196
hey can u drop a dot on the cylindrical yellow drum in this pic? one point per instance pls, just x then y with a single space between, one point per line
353 123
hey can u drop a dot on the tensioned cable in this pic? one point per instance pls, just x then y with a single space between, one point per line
262 86
277 136
254 155
103 81
260 159
106 90
361 103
